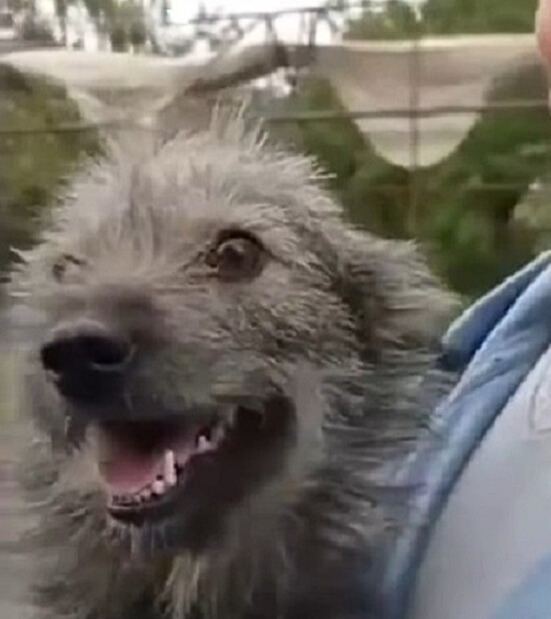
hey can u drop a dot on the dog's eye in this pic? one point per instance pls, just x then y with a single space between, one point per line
236 256
63 264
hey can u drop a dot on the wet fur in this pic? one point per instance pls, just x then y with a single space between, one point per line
345 323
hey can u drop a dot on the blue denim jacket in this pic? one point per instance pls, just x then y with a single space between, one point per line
495 346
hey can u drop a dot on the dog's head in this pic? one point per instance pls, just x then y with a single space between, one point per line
184 292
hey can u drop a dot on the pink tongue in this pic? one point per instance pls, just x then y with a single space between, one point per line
129 471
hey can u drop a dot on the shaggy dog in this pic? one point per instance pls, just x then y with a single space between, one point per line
222 368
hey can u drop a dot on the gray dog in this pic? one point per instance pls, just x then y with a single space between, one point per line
223 368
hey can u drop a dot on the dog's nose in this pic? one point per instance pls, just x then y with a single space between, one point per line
87 361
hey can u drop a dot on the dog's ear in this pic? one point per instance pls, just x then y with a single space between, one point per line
395 300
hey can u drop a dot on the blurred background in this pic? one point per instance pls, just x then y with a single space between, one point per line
431 117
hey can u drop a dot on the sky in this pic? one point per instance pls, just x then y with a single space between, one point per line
184 9
289 28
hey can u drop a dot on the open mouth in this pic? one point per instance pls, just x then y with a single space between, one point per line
148 465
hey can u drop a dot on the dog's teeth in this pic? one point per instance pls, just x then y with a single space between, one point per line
231 420
169 468
259 418
218 433
158 487
203 444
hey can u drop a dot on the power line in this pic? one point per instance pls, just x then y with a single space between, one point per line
429 112
205 18
306 117
68 128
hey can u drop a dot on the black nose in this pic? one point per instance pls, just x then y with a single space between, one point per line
87 361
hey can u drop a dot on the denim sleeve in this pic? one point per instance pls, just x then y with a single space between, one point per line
532 600
495 345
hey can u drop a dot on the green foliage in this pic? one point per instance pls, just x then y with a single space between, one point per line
32 165
478 16
473 195
98 9
126 25
121 21
371 190
395 22
463 208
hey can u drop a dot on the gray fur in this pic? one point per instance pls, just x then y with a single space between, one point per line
341 322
